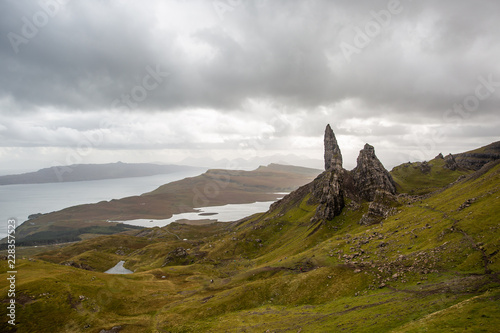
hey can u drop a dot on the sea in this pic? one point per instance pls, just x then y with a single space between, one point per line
19 201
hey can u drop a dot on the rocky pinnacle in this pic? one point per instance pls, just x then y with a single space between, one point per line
333 157
370 175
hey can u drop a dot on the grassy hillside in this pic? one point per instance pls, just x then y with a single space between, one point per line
424 177
433 266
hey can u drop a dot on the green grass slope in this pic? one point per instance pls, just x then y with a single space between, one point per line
433 266
415 179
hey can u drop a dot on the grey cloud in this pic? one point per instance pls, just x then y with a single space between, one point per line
93 52
286 53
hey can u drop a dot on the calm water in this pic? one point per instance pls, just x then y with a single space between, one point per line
226 213
119 269
20 201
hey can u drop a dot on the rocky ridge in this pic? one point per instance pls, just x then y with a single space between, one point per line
476 159
331 188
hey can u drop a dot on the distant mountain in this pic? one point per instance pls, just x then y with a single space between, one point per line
85 172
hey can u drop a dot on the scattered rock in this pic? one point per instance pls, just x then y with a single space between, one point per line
466 204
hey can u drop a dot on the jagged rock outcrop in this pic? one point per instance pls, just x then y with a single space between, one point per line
370 175
440 156
333 156
425 167
450 163
177 256
383 205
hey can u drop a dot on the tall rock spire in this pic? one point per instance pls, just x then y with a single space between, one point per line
327 189
370 175
333 156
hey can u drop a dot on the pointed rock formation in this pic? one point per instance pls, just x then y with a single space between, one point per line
370 175
450 163
333 157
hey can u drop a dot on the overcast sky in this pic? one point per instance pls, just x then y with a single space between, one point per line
159 81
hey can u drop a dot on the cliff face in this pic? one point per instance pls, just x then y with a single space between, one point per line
476 159
370 175
328 192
